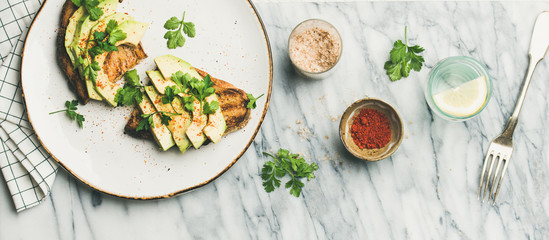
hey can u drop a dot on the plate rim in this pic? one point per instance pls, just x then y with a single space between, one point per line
184 190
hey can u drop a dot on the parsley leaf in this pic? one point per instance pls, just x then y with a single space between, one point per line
128 96
71 107
131 93
202 89
286 163
188 103
99 36
111 25
188 29
143 125
147 120
210 108
170 95
94 11
403 58
95 51
90 71
165 118
172 23
252 100
175 38
132 78
116 35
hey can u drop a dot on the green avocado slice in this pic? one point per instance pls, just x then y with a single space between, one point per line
75 23
216 126
178 123
106 89
161 133
81 36
168 65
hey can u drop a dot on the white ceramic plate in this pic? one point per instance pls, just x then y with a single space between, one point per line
230 44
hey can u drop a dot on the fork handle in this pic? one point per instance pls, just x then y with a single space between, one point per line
512 122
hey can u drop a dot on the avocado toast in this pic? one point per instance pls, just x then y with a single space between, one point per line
189 122
232 102
74 37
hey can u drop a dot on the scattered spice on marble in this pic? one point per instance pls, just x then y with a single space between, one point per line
314 50
304 132
371 129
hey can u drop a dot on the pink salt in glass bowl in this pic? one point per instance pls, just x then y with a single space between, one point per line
315 48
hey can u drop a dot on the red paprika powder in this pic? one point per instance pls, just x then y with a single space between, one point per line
371 129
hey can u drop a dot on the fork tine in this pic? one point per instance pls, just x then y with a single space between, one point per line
486 185
486 160
501 178
495 177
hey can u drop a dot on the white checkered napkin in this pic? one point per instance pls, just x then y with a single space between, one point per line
28 169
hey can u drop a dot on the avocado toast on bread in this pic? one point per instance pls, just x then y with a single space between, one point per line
232 102
189 119
73 37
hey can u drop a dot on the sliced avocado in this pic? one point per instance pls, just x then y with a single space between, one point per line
179 123
83 33
169 64
134 32
194 132
161 133
216 126
106 89
158 81
75 22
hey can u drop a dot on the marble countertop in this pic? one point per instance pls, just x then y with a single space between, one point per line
426 190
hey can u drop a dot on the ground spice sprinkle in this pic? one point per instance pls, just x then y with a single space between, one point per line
315 50
371 129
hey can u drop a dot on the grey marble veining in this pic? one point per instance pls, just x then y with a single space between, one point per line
426 190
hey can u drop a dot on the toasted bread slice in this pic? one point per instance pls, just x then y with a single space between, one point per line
232 101
116 63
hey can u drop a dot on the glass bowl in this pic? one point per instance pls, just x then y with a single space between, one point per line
317 25
450 73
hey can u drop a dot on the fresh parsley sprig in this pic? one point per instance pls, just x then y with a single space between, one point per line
71 107
103 42
175 38
88 68
131 93
252 100
403 58
147 120
286 163
210 108
196 89
91 7
106 41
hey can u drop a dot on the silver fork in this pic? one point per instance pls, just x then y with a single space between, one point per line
501 148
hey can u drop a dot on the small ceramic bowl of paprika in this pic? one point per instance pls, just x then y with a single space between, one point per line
371 129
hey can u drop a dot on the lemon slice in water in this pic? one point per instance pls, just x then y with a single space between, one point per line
463 100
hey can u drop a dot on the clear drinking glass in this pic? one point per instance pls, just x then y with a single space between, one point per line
451 73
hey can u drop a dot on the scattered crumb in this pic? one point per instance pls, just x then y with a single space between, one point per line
335 119
410 122
326 137
298 121
304 132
